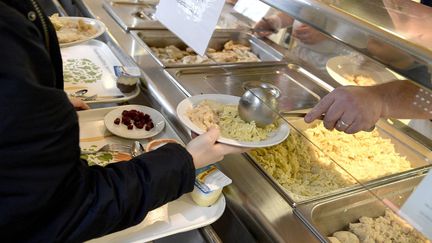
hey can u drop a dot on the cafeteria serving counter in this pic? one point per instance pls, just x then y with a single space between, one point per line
248 197
256 208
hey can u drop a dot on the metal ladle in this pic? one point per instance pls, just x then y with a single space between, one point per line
260 104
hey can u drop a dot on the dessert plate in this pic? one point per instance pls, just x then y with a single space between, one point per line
122 130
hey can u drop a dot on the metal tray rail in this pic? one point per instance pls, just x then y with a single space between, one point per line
163 38
334 214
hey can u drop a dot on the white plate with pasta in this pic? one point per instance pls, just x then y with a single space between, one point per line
75 30
202 111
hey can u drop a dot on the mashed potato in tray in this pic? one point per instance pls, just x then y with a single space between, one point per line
70 31
307 172
210 113
387 228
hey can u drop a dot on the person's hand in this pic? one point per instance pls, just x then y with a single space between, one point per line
205 150
272 24
349 109
78 104
308 34
231 1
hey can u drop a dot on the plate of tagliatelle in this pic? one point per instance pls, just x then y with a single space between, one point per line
74 30
201 112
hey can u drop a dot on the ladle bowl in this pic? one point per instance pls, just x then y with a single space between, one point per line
259 103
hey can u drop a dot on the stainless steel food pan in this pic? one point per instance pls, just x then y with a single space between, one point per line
163 38
416 154
299 90
134 14
326 217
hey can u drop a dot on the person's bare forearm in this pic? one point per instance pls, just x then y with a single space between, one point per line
403 99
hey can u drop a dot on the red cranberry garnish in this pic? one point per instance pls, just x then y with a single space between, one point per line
135 118
139 125
126 120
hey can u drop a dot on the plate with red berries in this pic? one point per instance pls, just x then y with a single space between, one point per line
134 122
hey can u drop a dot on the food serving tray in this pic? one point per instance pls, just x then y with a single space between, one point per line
335 214
416 154
182 214
132 15
90 66
299 89
164 38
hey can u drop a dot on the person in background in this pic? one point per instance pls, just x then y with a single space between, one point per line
47 193
307 43
351 109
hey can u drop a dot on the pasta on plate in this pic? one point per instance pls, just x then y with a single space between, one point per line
210 113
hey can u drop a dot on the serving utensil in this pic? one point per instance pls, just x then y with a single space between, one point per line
259 104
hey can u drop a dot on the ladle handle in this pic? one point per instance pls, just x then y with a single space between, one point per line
299 114
303 114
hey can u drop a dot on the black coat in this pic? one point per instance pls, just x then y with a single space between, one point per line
47 194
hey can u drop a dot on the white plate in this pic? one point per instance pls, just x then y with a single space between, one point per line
274 138
97 24
122 131
340 66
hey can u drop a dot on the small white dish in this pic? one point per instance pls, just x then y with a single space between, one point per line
121 129
184 106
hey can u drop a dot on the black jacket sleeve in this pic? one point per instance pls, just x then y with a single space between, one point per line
47 194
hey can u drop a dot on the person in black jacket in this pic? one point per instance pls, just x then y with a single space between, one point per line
47 193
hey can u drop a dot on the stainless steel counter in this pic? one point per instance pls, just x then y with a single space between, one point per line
251 198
